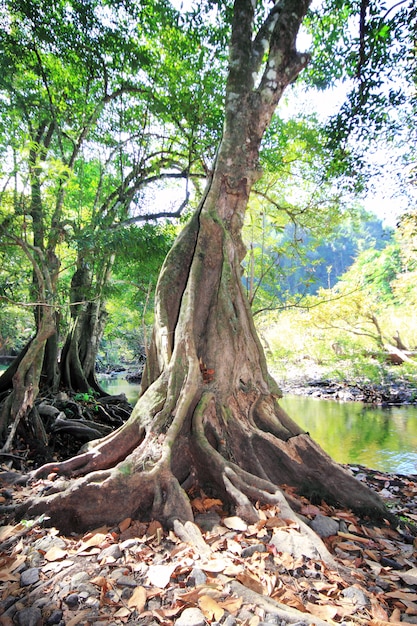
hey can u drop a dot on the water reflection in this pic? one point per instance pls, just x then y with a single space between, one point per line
117 385
383 438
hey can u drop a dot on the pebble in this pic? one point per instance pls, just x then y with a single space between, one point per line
88 589
29 577
72 600
55 617
196 577
113 552
250 550
126 581
191 617
78 578
324 526
357 596
29 616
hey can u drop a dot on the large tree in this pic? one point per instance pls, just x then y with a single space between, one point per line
208 417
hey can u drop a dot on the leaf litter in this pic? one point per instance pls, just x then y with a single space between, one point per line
138 574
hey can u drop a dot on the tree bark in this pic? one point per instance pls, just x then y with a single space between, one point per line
208 418
79 354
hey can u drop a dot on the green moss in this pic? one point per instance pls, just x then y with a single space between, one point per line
126 469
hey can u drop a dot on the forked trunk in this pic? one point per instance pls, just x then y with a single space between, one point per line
208 418
78 357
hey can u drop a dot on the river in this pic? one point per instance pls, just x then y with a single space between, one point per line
382 438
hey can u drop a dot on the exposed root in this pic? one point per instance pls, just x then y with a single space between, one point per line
287 614
111 496
106 452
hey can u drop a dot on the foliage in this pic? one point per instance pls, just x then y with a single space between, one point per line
370 46
368 309
96 114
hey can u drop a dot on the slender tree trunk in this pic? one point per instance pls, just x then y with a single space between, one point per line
88 317
78 357
26 380
209 417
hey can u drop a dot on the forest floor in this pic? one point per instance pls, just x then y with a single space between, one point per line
216 571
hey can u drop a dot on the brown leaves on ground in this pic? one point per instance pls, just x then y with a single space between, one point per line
139 574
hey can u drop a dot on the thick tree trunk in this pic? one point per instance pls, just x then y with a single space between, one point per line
208 418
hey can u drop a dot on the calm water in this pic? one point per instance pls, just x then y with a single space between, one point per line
381 438
351 432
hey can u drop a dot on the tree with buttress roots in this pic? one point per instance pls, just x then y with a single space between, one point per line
208 418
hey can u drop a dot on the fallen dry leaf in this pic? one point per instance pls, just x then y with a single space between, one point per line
8 531
93 541
210 608
251 582
55 554
235 523
288 597
214 566
138 599
380 622
410 576
160 575
323 611
122 612
231 604
401 595
78 618
124 524
378 611
310 509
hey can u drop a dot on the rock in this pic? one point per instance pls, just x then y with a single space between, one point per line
55 617
191 617
29 577
196 577
114 552
250 550
229 621
324 526
72 600
29 616
356 595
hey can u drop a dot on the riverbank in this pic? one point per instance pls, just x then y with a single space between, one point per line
394 386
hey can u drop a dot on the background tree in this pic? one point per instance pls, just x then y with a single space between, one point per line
92 124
